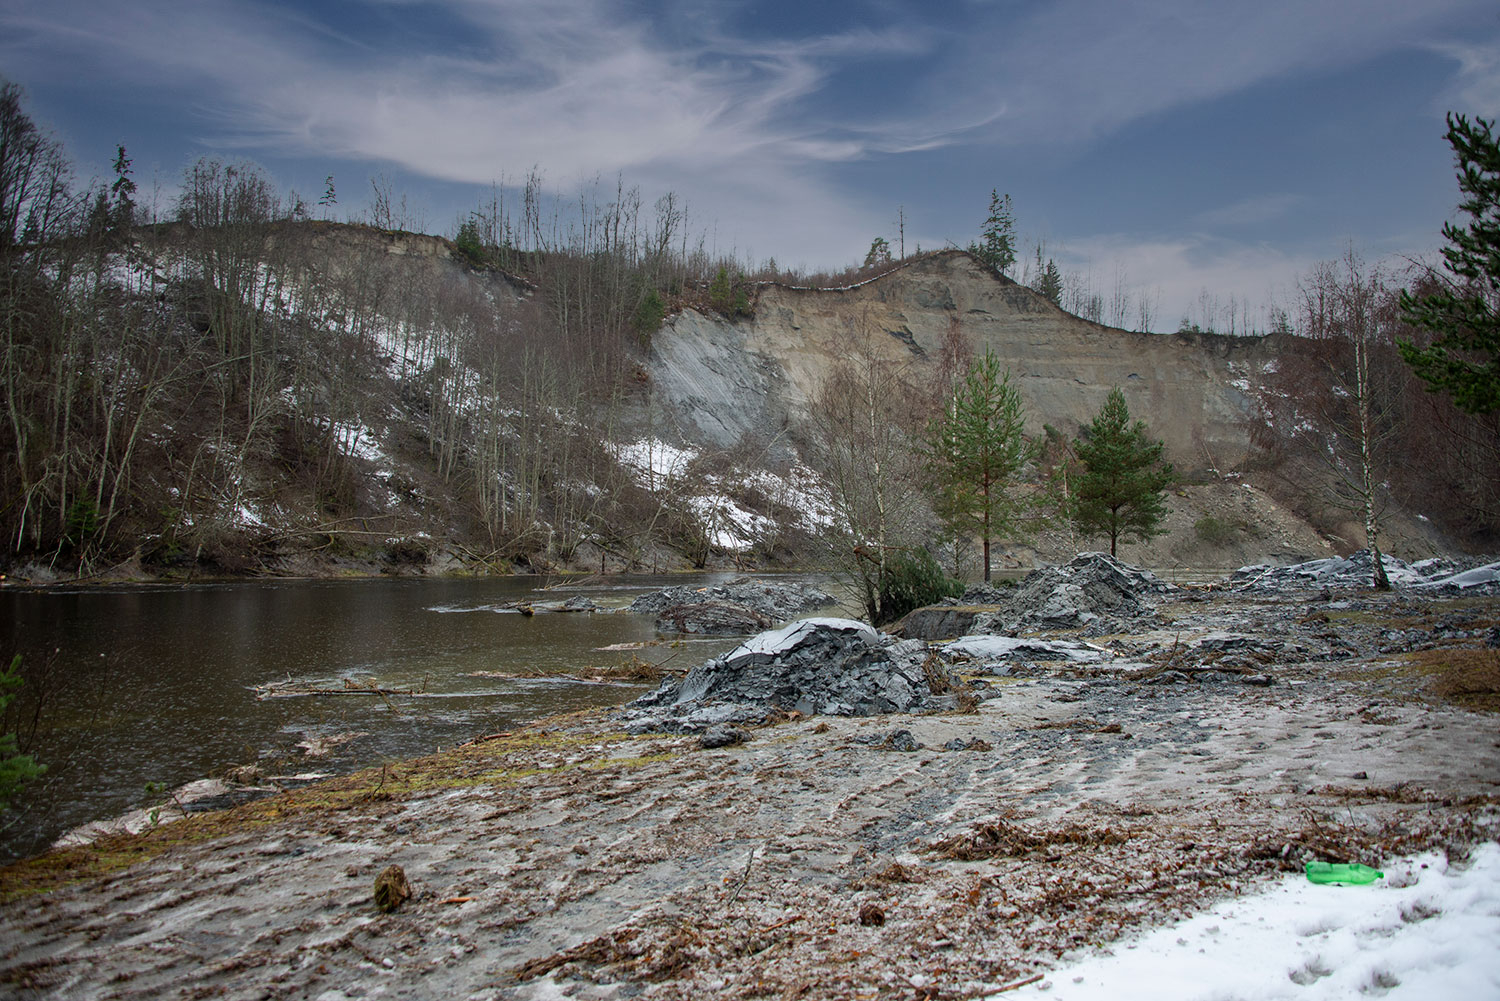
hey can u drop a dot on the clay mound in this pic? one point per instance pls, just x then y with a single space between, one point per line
741 607
775 600
1357 570
712 618
983 594
837 667
1092 589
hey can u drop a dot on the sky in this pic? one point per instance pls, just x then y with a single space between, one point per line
1186 152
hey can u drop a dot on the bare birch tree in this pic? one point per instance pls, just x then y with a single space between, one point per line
870 415
1335 398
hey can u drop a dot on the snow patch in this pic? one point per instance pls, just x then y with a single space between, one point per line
654 462
246 515
728 525
1426 931
793 634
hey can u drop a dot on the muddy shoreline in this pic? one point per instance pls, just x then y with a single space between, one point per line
572 859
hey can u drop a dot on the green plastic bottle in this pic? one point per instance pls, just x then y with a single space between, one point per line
1342 873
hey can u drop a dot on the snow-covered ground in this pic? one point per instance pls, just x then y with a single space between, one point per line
654 462
660 466
1428 931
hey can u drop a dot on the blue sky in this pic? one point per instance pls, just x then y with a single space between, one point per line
1168 146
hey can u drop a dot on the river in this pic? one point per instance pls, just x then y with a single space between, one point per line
156 684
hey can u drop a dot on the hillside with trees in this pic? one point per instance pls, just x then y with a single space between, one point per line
236 386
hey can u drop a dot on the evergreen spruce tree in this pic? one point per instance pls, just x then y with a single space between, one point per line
1464 360
123 193
1120 492
998 246
1048 282
975 451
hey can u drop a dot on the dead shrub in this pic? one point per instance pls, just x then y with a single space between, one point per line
898 873
940 681
636 668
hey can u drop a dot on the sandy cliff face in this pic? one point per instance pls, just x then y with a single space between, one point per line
755 376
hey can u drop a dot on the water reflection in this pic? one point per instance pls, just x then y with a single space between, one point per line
159 681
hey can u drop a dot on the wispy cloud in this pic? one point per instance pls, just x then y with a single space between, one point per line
1249 212
1077 69
575 88
754 129
573 85
1476 89
1194 278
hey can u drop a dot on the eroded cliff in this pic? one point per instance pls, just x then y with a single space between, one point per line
757 376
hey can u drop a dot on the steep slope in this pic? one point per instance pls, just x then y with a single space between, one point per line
343 398
751 382
728 378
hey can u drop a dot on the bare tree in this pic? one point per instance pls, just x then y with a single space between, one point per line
870 414
1334 398
1119 298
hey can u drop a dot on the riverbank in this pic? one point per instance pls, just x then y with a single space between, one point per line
394 560
163 684
1088 801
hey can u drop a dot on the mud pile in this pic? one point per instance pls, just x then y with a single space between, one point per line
741 606
1092 591
828 666
1357 570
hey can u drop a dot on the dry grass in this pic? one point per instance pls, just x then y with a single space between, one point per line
1001 838
1465 676
502 761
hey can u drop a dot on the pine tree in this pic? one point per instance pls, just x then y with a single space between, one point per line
880 252
123 193
1048 283
975 451
997 249
1120 492
1464 361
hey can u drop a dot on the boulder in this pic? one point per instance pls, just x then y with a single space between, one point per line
942 622
722 736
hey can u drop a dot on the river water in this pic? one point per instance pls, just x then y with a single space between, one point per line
156 684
